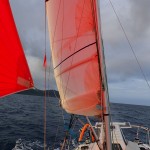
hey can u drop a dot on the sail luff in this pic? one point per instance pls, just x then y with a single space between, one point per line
106 109
14 71
72 30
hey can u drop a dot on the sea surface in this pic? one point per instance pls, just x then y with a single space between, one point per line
21 121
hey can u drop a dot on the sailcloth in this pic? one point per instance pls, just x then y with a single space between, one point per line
14 72
75 53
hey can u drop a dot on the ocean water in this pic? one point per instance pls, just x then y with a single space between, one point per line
21 121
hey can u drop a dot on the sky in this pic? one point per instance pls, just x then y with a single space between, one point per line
125 80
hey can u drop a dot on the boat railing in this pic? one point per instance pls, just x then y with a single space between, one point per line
143 128
127 125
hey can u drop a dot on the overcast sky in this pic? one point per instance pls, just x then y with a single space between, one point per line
126 83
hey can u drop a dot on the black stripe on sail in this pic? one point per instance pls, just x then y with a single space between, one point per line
74 54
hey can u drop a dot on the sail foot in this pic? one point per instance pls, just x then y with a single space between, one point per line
86 104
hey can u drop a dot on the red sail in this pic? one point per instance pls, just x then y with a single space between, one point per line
73 35
14 72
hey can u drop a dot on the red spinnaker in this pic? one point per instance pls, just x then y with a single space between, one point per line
75 51
14 72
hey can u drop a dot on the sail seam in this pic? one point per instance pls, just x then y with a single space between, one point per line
75 53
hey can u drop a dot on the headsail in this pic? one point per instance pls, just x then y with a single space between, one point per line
73 36
14 72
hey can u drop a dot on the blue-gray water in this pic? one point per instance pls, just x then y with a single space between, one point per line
21 118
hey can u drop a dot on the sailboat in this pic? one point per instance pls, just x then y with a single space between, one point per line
79 68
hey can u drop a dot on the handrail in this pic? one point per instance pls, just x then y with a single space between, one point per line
142 127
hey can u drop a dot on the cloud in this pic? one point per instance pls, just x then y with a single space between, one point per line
30 21
119 56
140 16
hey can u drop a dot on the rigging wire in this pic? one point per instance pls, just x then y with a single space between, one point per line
45 144
62 31
53 147
130 45
59 121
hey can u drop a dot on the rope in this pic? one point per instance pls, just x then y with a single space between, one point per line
61 109
67 131
73 124
58 123
56 134
71 121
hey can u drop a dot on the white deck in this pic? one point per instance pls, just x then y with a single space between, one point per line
117 139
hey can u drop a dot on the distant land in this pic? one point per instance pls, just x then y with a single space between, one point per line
37 92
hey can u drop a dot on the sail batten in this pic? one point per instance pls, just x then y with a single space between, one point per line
72 28
14 71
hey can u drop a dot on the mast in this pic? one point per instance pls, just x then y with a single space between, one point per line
106 111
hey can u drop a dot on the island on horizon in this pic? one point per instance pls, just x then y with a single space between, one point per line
37 92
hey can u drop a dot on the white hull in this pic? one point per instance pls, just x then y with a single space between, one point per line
118 140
